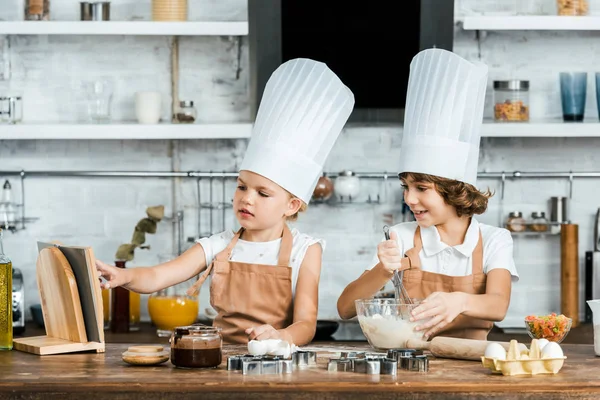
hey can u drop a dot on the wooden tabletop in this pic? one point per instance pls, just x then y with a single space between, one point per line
94 376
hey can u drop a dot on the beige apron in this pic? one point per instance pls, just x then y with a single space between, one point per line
246 295
421 284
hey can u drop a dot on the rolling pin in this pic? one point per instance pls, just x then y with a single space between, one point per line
460 349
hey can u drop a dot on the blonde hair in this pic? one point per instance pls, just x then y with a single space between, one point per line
465 198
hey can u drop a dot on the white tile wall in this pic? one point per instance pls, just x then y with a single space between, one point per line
101 212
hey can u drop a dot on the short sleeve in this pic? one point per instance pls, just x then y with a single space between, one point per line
499 248
214 244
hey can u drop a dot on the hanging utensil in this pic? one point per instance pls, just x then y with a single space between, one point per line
402 295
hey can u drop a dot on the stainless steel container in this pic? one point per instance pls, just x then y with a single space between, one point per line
558 210
95 11
11 109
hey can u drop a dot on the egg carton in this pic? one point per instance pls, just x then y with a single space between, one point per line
266 364
380 364
519 361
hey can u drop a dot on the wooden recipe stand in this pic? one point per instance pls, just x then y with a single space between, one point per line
71 302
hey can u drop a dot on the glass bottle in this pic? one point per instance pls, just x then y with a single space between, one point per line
134 310
37 10
6 317
119 312
172 307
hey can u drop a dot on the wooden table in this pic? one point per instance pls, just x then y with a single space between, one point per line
92 376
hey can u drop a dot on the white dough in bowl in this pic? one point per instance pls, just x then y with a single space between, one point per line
389 331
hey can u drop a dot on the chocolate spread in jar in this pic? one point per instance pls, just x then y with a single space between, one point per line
196 346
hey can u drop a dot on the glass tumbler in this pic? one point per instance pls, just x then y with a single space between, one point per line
573 90
172 307
99 100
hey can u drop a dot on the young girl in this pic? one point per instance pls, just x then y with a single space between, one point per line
461 268
264 277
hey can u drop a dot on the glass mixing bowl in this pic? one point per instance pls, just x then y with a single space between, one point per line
386 322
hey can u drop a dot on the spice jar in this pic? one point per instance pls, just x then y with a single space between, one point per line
511 101
186 113
515 222
572 7
196 346
539 223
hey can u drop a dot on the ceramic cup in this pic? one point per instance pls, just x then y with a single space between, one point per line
147 107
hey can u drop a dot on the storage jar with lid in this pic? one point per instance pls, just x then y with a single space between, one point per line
539 223
187 112
511 101
196 346
516 222
572 7
347 185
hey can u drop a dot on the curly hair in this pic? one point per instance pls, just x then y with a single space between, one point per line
465 198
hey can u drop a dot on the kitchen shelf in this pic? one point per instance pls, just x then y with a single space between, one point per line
187 28
531 22
547 128
124 131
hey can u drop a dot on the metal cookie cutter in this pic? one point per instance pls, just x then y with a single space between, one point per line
418 364
364 365
259 365
304 358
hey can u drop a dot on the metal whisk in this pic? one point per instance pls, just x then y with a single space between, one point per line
400 291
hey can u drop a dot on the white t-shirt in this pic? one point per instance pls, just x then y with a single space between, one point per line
260 252
438 257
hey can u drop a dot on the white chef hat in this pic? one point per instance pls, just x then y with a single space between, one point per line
443 116
303 110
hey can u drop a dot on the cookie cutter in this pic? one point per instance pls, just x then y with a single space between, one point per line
265 365
377 363
410 359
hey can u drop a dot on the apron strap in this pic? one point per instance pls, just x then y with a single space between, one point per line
477 257
285 250
411 258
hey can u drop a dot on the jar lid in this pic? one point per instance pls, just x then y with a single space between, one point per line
538 214
196 329
186 103
514 84
347 173
515 214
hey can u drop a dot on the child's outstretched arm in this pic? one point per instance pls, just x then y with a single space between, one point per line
152 279
306 304
369 283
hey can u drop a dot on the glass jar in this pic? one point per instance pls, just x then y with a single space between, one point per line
196 346
172 307
516 222
572 7
11 109
37 10
186 113
6 305
539 223
511 101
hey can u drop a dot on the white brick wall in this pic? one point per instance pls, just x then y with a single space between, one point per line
101 212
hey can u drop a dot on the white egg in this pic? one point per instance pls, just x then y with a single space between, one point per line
257 347
523 349
552 350
495 350
542 343
281 349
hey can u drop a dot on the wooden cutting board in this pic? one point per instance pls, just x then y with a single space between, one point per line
61 306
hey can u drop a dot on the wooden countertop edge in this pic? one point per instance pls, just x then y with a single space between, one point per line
420 387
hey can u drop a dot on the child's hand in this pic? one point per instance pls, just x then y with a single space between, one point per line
442 308
389 253
263 332
114 276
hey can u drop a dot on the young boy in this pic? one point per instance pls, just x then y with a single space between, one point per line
265 277
460 268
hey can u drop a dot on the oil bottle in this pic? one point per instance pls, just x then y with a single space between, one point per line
6 318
